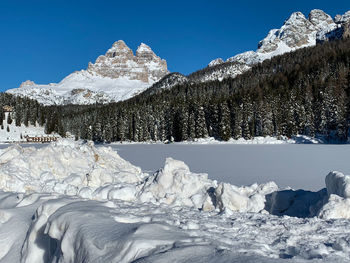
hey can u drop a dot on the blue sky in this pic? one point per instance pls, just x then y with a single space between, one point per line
46 40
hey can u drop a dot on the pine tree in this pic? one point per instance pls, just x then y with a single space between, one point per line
224 123
9 118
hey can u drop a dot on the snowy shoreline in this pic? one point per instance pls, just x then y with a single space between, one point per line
73 202
298 139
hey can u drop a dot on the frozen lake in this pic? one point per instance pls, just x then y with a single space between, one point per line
300 166
295 165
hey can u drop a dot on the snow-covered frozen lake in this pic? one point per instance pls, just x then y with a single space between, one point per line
300 166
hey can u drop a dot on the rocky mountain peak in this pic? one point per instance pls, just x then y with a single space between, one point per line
296 32
320 19
27 83
145 54
294 17
120 62
143 48
119 48
116 75
215 62
342 18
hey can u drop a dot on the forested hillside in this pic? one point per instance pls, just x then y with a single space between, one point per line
304 92
23 110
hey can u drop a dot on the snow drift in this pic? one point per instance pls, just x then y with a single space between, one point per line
73 202
99 173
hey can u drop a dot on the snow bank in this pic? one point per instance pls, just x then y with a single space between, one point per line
338 203
55 216
65 167
336 207
297 139
78 169
338 184
176 185
243 199
87 231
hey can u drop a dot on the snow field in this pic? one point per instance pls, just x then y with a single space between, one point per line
73 202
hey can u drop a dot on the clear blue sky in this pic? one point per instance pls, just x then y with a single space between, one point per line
45 40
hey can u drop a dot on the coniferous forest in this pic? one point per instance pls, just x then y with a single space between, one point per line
304 92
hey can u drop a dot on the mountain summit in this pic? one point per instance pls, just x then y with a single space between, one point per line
119 61
115 76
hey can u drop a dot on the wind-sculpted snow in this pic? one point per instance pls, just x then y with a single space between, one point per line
78 169
73 202
64 167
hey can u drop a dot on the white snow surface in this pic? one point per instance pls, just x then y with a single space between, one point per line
82 87
73 202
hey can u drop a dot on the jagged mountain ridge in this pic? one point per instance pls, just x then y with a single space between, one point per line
115 76
296 32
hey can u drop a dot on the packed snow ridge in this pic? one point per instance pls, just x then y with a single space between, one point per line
115 76
74 202
296 32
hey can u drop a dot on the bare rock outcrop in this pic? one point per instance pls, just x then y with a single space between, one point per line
120 61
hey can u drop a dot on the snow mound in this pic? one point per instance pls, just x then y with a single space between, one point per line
336 207
338 183
243 199
65 167
67 224
338 189
176 185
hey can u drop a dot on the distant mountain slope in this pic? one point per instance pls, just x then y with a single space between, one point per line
297 32
115 76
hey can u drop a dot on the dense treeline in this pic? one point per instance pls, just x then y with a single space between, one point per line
304 92
23 110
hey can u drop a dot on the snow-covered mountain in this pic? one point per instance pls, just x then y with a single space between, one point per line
115 76
296 32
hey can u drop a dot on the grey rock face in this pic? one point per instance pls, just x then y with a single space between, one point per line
119 61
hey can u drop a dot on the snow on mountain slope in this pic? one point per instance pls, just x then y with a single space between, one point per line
296 32
73 202
168 82
115 76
